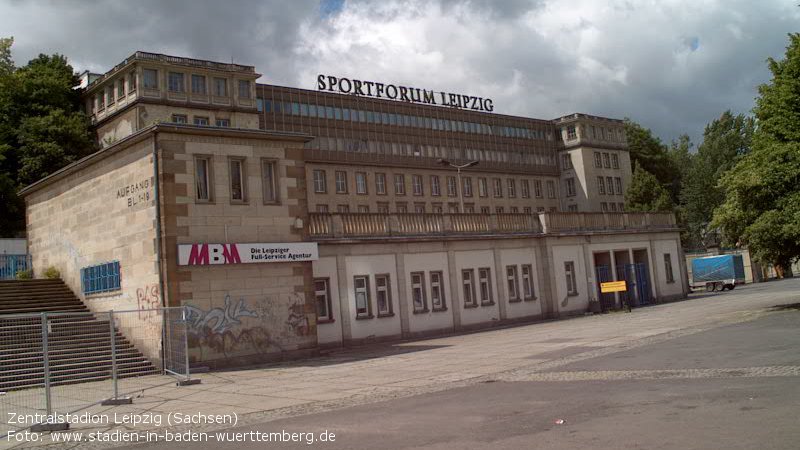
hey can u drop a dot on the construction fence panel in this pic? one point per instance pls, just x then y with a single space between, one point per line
21 374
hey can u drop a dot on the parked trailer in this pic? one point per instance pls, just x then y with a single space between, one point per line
717 273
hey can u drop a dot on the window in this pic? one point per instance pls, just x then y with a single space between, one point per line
526 189
110 95
566 161
341 182
361 183
613 207
198 84
363 304
621 207
485 285
527 210
220 87
537 188
569 275
486 210
668 268
150 79
383 207
418 292
527 282
468 284
399 184
614 161
132 82
437 208
597 159
466 186
498 187
401 207
238 176
483 189
551 189
180 118
419 208
512 280
610 185
383 295
606 161
101 278
202 121
571 132
437 292
224 123
121 88
202 166
436 190
512 188
618 185
323 294
601 186
269 181
343 209
101 101
499 210
570 208
380 184
452 187
175 82
603 205
322 209
320 184
416 184
570 186
244 89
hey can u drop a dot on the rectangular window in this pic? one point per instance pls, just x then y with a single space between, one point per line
121 88
361 183
201 121
179 118
485 285
401 207
343 209
603 205
618 185
322 209
571 132
613 207
551 189
132 82
383 295
601 186
597 160
198 84
499 210
224 123
363 304
569 276
220 87
362 208
399 184
468 285
418 292
202 177
466 186
380 183
512 188
527 210
383 207
606 160
323 295
566 161
452 187
101 278
320 183
537 188
237 174
614 161
610 185
668 268
570 187
483 188
341 182
150 78
512 283
621 207
419 208
527 282
269 181
486 210
244 89
416 184
175 82
498 187
437 292
436 190
526 189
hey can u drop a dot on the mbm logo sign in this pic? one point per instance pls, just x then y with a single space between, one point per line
207 254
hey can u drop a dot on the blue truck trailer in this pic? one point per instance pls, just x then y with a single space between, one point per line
717 273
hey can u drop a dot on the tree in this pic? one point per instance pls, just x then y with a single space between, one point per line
762 192
646 194
41 127
654 157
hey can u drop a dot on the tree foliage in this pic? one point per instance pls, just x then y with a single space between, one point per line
656 158
41 127
762 191
646 193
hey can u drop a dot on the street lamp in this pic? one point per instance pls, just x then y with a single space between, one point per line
445 162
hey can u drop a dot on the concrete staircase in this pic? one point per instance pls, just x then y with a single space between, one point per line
78 341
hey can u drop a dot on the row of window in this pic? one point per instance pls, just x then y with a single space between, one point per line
176 82
611 206
237 176
609 186
200 120
117 89
436 208
401 120
341 185
606 160
598 133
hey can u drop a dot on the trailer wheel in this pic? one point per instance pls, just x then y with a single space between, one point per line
720 286
731 286
710 287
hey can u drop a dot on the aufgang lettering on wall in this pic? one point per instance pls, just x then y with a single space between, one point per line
207 254
403 93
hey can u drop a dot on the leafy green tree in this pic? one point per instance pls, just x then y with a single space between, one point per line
646 194
654 157
762 192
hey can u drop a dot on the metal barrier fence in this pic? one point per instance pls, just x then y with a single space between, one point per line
11 264
56 363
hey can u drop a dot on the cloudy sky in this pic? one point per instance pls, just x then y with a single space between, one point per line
671 65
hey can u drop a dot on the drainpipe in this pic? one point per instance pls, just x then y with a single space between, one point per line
157 194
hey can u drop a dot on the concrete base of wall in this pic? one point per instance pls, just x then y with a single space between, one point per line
253 360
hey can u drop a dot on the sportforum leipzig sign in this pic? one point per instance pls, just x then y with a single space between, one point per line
403 93
209 254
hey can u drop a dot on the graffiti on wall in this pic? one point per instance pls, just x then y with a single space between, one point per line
148 298
218 320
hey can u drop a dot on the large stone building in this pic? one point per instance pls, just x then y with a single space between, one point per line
287 219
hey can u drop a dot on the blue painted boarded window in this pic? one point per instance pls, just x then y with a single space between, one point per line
100 278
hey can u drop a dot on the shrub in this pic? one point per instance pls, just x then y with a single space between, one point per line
52 272
25 274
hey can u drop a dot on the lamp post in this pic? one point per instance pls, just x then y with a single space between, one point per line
458 168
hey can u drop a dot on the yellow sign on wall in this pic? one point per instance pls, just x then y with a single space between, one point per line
613 286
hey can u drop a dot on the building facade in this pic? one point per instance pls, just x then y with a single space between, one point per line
286 219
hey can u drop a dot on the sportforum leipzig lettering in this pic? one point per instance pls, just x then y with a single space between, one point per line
404 93
206 254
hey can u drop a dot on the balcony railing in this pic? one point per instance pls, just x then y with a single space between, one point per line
370 225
